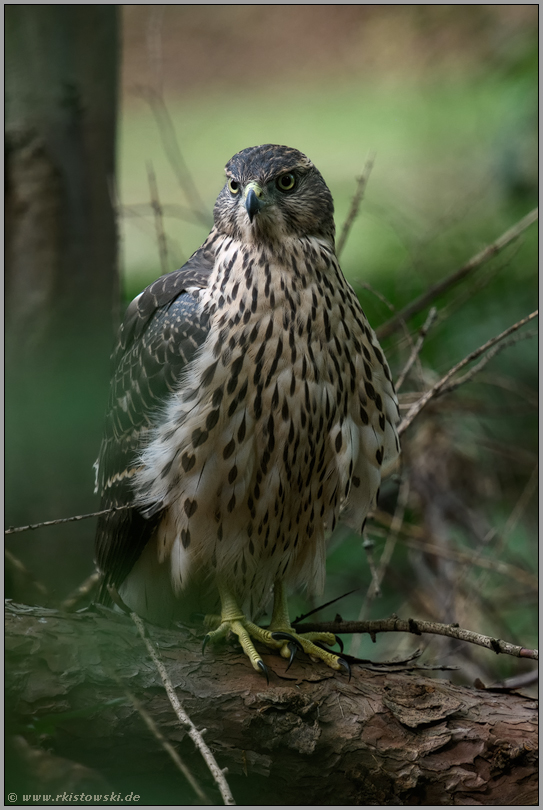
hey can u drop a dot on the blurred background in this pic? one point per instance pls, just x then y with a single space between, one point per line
443 99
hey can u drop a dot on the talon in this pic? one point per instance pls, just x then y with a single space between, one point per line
345 666
204 643
322 646
293 650
339 643
262 666
279 636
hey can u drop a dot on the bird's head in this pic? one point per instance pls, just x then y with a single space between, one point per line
271 193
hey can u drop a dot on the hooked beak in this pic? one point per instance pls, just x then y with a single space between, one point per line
253 199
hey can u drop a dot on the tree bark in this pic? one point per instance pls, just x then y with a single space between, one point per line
309 737
61 270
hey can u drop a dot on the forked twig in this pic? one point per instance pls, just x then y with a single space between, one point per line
442 286
361 184
184 719
486 359
439 388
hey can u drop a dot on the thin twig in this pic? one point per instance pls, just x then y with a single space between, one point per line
168 210
184 719
159 225
415 351
413 537
395 625
361 183
438 388
168 747
32 526
375 586
512 521
482 363
80 592
154 44
438 289
173 153
16 564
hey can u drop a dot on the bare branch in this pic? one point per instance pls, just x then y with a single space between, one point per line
32 526
362 182
438 289
482 363
159 225
430 320
439 387
395 625
184 719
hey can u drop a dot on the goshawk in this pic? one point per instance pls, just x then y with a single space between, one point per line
251 407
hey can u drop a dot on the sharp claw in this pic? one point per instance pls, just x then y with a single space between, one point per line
345 666
279 636
262 666
204 643
293 649
339 643
322 646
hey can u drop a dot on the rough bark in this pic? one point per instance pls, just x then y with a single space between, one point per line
61 269
310 737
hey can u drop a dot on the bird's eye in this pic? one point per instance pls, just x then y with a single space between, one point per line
234 186
286 182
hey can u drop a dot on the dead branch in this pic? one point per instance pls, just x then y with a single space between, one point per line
183 717
441 386
311 737
361 184
415 351
418 627
445 284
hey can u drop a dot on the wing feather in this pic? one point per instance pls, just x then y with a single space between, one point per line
161 331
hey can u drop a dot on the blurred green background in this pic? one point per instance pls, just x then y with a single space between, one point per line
445 98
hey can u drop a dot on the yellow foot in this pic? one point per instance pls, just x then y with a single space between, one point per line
279 636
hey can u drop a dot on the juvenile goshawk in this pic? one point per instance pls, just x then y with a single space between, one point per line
251 406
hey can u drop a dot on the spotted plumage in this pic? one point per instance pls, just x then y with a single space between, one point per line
250 408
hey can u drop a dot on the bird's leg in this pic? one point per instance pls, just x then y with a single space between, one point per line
279 636
281 631
233 619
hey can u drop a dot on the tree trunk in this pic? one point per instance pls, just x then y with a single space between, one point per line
61 270
309 737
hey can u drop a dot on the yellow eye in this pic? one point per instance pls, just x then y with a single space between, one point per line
286 182
234 186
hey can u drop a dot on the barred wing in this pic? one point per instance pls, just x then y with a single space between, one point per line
162 329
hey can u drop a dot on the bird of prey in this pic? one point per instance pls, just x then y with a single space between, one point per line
250 407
